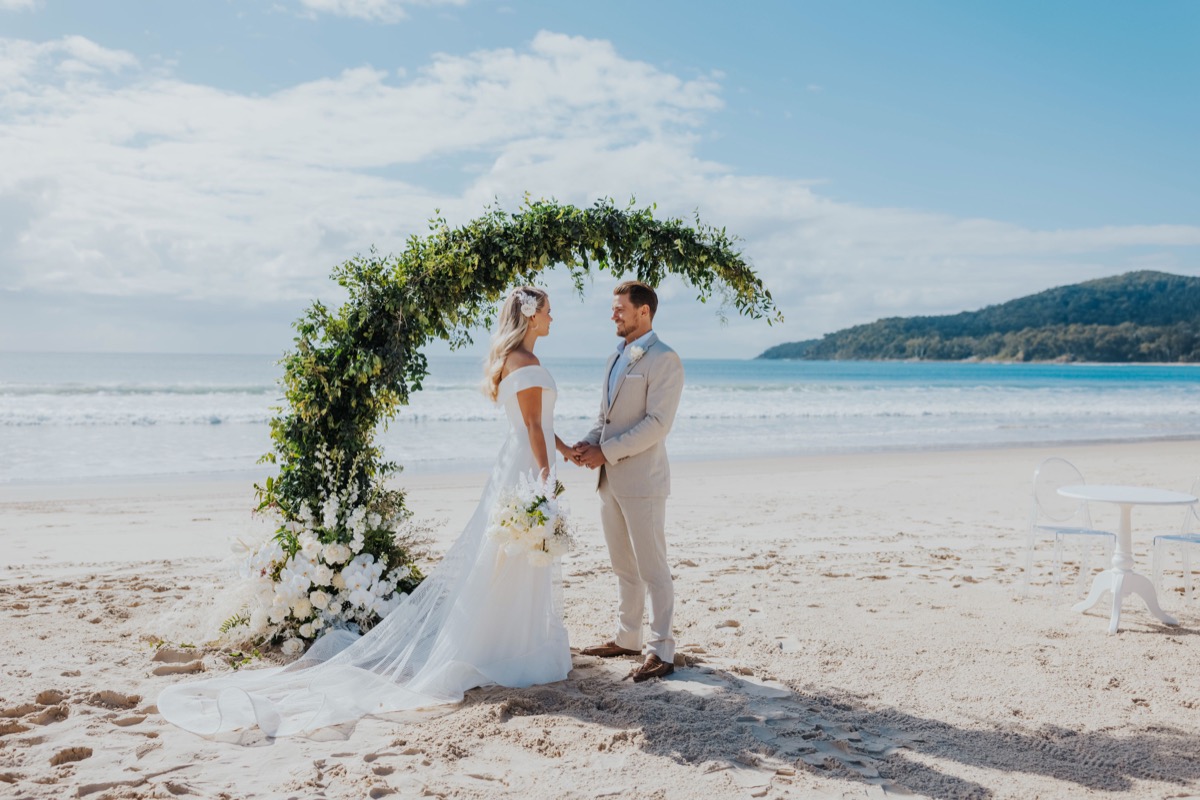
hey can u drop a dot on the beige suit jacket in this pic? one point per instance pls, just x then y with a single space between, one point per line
633 424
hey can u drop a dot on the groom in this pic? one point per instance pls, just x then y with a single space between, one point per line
641 394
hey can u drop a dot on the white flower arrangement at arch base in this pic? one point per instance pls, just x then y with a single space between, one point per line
528 519
295 597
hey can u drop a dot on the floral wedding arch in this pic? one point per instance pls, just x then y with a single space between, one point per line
340 556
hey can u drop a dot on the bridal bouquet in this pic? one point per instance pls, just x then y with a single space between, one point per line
529 520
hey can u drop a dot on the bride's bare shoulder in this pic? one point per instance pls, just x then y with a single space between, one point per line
518 359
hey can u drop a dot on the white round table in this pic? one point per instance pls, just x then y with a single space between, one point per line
1121 580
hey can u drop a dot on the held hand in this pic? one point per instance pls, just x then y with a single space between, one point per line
589 455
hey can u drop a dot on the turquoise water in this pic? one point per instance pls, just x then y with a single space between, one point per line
68 416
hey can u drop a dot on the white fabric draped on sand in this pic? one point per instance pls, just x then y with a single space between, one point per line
480 618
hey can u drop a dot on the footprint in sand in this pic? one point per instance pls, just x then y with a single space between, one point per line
125 722
169 655
7 728
50 697
179 669
69 755
18 711
111 699
51 714
177 789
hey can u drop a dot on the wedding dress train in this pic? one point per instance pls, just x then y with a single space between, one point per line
481 618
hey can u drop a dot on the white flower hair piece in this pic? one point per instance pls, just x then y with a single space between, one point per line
529 303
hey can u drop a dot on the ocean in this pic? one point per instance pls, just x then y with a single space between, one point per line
75 416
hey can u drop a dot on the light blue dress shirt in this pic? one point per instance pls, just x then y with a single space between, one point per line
622 360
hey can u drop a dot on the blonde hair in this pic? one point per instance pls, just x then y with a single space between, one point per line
511 327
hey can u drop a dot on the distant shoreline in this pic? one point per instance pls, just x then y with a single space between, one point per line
1054 361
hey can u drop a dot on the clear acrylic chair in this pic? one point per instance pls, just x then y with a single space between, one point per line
1063 518
1182 542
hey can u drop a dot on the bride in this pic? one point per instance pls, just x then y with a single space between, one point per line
481 618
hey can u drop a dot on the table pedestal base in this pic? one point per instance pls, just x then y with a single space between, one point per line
1123 583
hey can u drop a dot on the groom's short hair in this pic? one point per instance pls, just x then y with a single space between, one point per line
640 295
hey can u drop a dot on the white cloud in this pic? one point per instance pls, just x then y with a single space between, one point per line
24 62
375 10
118 181
19 5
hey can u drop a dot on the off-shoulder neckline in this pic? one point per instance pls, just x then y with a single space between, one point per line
519 369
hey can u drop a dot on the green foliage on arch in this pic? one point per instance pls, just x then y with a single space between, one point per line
352 367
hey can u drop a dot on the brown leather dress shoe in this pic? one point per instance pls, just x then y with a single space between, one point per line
609 650
654 667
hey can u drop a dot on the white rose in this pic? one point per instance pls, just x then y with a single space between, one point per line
335 607
317 624
319 599
336 553
322 575
306 631
277 614
292 647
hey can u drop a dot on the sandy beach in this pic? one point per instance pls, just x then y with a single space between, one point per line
848 627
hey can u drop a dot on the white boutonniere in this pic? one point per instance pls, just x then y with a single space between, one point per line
635 354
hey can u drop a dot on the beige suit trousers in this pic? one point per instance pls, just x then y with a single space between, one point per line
634 528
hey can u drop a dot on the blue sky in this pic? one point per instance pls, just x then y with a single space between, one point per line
181 176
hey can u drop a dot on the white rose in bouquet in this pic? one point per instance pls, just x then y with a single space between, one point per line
337 553
319 599
302 609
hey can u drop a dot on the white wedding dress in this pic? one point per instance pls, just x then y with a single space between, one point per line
481 618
